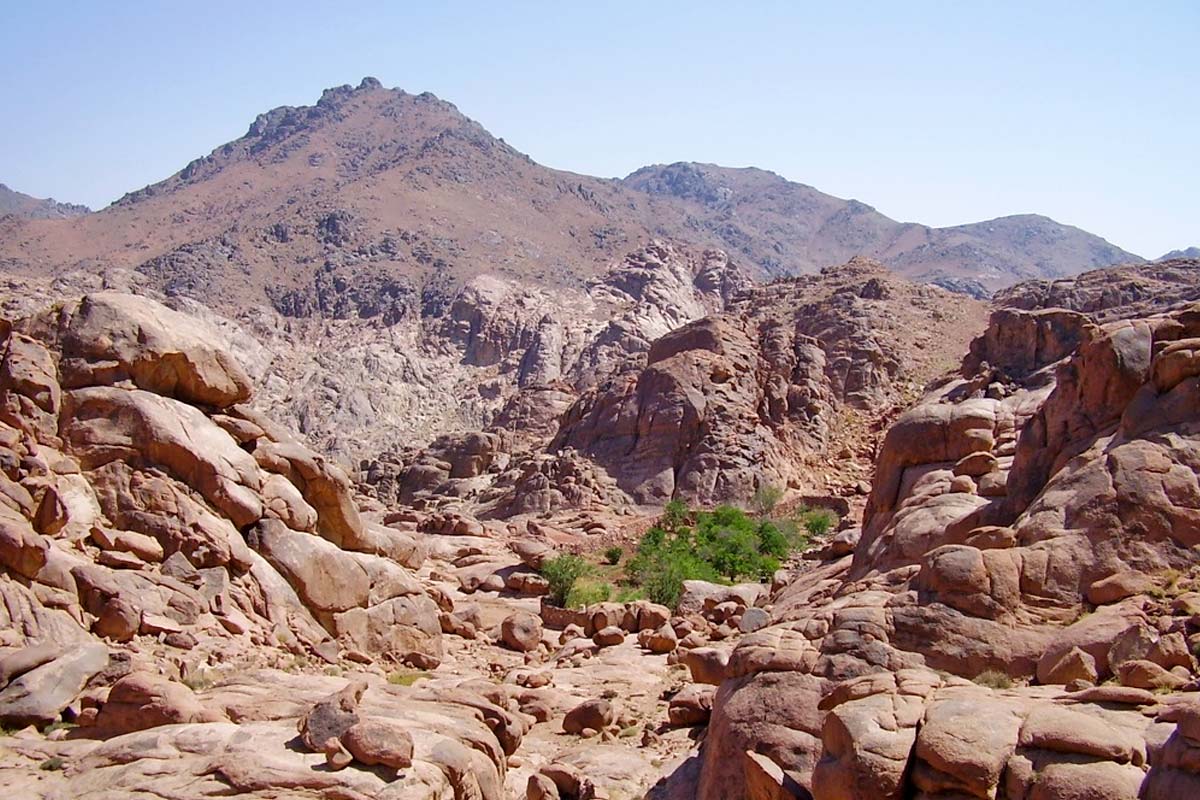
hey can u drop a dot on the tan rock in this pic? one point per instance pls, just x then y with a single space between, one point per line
691 705
1064 730
609 637
103 423
143 700
112 337
326 578
706 664
521 631
1141 674
377 742
1117 587
1075 665
662 640
591 714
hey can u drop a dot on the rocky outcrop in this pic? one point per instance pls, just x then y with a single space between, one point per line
141 503
1031 527
755 396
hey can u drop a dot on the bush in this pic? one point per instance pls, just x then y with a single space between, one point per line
766 497
584 594
562 572
612 555
725 543
736 545
629 594
993 679
818 521
794 534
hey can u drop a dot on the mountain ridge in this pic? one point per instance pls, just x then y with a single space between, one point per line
343 180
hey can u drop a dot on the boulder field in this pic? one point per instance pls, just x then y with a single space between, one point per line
196 604
156 532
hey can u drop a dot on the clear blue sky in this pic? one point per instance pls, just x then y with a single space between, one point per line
941 113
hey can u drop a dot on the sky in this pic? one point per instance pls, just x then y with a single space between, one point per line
935 112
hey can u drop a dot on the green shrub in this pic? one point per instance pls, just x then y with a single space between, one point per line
586 593
612 555
629 594
818 521
725 543
52 764
993 679
766 497
562 572
794 534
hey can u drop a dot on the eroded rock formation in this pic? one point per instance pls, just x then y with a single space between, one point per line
1031 527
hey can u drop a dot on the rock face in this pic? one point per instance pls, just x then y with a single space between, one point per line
757 395
141 499
1031 523
709 409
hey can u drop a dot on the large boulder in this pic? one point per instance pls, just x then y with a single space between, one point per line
39 695
105 424
326 578
144 700
110 337
521 631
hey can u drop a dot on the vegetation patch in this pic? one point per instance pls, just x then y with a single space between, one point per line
993 679
724 544
406 677
562 573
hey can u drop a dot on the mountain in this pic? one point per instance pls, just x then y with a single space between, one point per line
25 206
317 206
792 228
1187 252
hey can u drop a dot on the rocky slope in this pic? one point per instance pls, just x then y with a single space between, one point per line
154 529
26 207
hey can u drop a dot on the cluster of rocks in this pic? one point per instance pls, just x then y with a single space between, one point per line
757 395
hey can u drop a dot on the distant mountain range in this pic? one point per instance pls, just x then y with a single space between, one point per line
378 185
1187 252
23 205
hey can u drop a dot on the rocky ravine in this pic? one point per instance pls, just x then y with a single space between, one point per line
764 393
